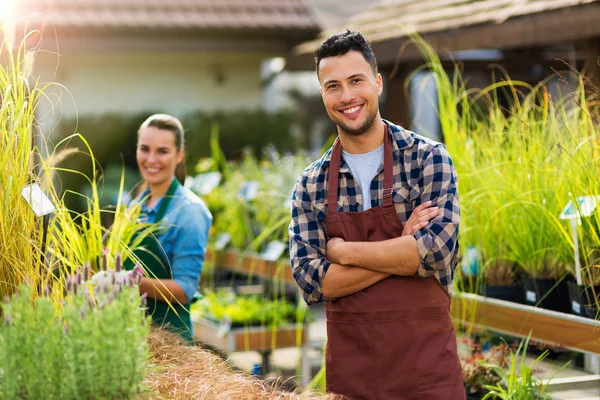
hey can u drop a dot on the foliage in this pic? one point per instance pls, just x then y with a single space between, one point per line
78 237
222 305
93 347
517 381
255 222
478 366
521 153
20 229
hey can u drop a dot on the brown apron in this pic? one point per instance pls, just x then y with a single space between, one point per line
393 340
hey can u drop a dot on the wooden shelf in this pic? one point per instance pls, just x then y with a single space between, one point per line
252 338
571 331
252 264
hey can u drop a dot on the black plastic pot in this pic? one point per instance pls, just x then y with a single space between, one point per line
513 293
474 396
584 299
546 293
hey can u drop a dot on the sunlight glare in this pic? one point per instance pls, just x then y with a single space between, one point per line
6 11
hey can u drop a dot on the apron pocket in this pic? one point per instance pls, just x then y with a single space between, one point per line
419 354
350 361
436 362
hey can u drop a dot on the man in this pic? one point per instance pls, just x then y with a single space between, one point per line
374 234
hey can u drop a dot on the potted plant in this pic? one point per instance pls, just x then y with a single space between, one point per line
478 366
517 380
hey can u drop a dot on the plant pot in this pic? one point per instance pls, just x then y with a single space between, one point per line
474 396
584 299
513 293
546 293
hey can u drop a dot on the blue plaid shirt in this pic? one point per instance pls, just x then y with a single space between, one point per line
423 171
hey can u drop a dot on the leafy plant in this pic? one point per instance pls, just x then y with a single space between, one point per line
90 346
20 230
75 238
518 381
222 305
478 366
521 153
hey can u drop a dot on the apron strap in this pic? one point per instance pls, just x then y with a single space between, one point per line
334 176
388 168
334 173
164 204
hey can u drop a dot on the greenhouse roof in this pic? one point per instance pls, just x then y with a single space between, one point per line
231 15
468 24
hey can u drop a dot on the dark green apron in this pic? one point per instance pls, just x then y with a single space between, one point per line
174 317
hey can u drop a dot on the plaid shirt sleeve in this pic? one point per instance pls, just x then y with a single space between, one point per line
307 245
438 242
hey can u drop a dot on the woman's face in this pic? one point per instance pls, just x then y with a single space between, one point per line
157 155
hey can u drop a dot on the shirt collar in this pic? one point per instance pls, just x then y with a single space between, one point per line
401 140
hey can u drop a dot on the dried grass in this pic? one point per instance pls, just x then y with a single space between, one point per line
179 372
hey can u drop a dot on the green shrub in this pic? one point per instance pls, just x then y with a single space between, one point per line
92 347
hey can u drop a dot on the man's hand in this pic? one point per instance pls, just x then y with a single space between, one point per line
419 218
335 249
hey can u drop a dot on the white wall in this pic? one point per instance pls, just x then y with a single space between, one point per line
169 82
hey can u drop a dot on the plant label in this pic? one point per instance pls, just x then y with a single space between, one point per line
576 307
37 200
205 183
585 207
222 241
248 191
530 296
273 251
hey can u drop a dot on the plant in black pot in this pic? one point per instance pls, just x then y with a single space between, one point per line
584 292
585 295
502 281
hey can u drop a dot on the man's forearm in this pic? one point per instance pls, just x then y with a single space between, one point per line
398 256
343 280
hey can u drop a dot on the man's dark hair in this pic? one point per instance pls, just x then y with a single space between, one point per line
343 42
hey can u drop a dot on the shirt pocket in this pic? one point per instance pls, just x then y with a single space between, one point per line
321 211
403 204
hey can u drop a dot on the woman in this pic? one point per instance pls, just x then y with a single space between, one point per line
174 257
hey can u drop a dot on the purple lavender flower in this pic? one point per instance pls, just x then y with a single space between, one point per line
86 271
104 259
143 300
118 263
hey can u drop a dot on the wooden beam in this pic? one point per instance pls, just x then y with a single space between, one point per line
544 29
574 332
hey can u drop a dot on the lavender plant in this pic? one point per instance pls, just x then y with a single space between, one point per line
92 345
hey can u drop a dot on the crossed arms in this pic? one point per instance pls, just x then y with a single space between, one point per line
326 269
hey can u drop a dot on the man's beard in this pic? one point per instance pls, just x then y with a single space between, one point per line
361 129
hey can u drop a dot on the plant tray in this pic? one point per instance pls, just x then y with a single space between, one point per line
251 338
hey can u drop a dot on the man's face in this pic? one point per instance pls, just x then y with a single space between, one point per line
350 92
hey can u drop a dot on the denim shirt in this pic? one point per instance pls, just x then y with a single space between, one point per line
187 222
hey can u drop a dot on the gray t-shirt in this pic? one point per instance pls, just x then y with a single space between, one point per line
364 168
